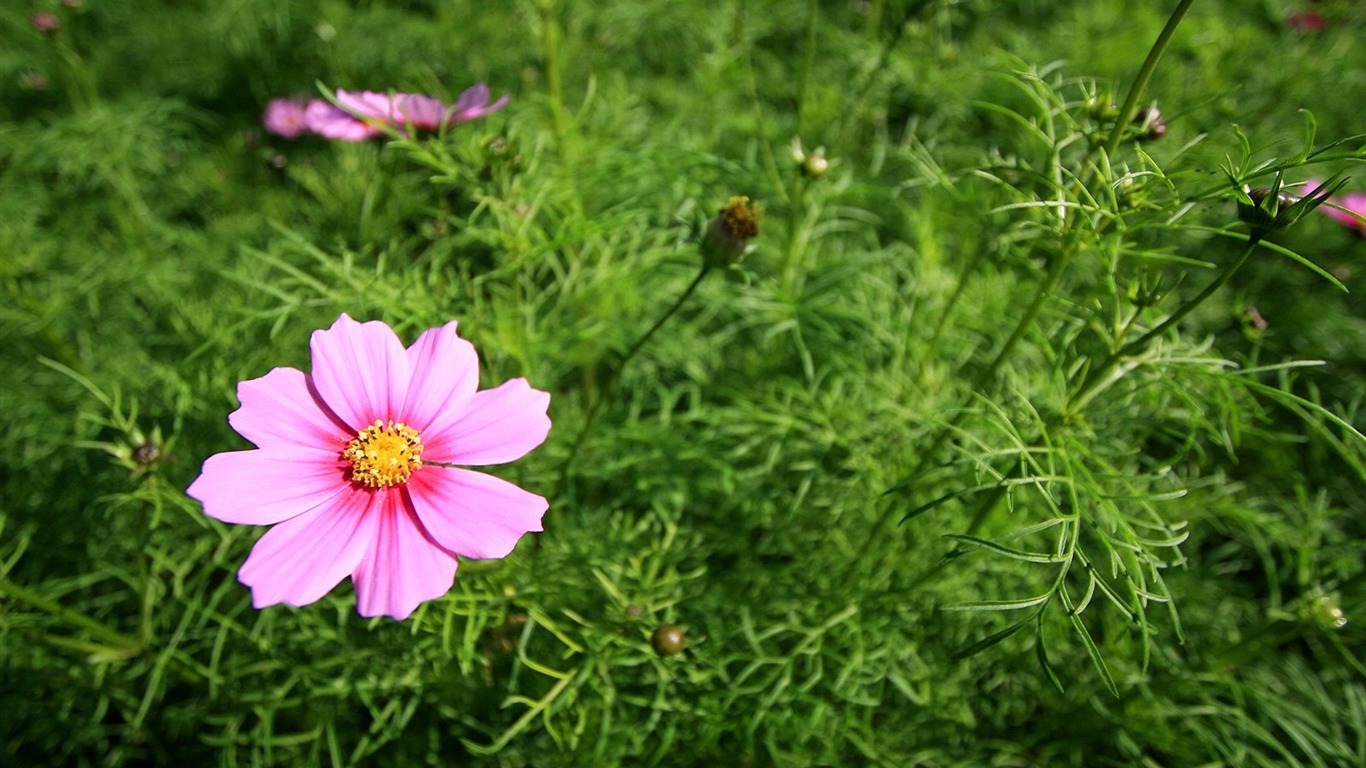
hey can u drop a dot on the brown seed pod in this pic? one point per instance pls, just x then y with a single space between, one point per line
669 640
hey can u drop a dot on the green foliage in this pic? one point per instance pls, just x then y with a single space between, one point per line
1009 443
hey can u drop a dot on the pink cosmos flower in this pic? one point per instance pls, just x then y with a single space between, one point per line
285 117
1355 202
351 469
364 114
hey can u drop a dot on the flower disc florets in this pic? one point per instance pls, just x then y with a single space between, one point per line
384 454
728 235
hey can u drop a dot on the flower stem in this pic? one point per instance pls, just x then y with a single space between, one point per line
752 83
813 9
615 374
550 50
1096 376
1145 74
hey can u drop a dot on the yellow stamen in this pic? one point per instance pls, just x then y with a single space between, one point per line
384 454
740 217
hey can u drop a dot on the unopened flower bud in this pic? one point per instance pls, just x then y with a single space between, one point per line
1265 212
812 164
815 165
1325 611
669 640
1147 291
1150 123
147 454
728 234
1101 108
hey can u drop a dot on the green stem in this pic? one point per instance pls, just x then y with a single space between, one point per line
1145 74
770 162
25 595
550 50
1097 375
615 374
813 8
1050 283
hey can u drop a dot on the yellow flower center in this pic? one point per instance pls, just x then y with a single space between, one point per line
740 218
384 454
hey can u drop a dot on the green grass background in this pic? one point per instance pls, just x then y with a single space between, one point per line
156 248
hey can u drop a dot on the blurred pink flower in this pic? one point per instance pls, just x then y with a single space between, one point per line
330 122
45 22
1354 202
403 111
343 469
285 117
1309 21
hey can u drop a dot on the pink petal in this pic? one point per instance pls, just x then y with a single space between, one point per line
378 106
445 374
285 117
420 111
402 568
496 426
473 104
332 123
281 409
303 558
268 485
360 370
473 97
471 513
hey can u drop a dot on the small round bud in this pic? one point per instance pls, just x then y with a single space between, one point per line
1101 108
1325 611
147 453
669 640
815 165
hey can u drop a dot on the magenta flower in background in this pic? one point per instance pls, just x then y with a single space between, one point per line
344 471
1354 202
45 22
285 117
1308 21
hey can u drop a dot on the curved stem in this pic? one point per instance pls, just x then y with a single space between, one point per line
615 374
1098 374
